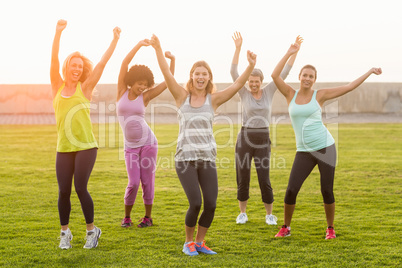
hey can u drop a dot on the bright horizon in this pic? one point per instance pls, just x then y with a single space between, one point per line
342 39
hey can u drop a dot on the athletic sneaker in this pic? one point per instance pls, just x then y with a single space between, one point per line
65 238
330 233
189 249
145 222
284 231
126 222
201 247
271 219
242 218
92 238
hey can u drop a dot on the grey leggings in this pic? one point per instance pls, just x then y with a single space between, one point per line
303 165
192 176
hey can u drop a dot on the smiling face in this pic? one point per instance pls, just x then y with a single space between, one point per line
254 82
75 69
200 78
139 86
307 78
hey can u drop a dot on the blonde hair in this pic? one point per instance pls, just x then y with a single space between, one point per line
210 87
88 66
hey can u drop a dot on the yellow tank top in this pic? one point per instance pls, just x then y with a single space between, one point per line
74 127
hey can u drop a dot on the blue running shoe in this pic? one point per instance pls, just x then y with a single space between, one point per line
189 249
201 247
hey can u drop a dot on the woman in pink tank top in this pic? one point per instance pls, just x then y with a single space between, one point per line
134 91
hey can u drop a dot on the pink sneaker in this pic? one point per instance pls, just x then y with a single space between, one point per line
284 231
330 233
126 222
145 222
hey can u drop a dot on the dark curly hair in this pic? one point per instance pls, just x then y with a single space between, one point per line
139 73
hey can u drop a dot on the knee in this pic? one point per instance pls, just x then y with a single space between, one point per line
64 194
290 197
195 207
81 191
328 196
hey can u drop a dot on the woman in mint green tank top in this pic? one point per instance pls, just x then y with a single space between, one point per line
76 144
315 145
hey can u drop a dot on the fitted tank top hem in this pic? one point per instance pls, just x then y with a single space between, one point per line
73 121
311 133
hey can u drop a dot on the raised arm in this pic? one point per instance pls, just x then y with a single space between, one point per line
55 77
156 91
223 96
93 79
121 84
284 88
178 92
238 40
331 93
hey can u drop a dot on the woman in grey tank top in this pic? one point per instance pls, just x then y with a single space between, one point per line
196 150
253 139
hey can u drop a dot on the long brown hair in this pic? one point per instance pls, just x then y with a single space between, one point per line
210 87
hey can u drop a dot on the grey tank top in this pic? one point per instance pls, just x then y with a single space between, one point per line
196 140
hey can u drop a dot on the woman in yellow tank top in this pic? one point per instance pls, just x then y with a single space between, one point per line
76 143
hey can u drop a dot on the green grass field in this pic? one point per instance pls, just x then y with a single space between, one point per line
368 193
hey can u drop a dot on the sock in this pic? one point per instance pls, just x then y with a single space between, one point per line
91 230
66 231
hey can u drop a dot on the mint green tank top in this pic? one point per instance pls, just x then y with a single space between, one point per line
311 134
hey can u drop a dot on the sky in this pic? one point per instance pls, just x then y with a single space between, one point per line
343 39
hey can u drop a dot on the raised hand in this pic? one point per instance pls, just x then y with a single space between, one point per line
61 25
169 55
294 48
251 57
238 40
299 40
155 43
376 71
116 33
145 42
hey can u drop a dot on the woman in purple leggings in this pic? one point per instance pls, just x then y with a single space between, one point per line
140 145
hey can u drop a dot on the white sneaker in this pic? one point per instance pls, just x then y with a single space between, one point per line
271 219
65 238
92 238
242 218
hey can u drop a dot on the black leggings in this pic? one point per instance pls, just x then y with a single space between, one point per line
192 176
303 165
253 143
78 164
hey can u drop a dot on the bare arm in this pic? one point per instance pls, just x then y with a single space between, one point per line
156 91
223 96
55 77
238 40
331 93
299 41
284 88
93 79
121 85
178 92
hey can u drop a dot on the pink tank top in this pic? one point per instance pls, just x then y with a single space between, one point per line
131 114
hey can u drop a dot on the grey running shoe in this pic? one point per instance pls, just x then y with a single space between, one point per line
242 218
92 238
65 238
271 219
